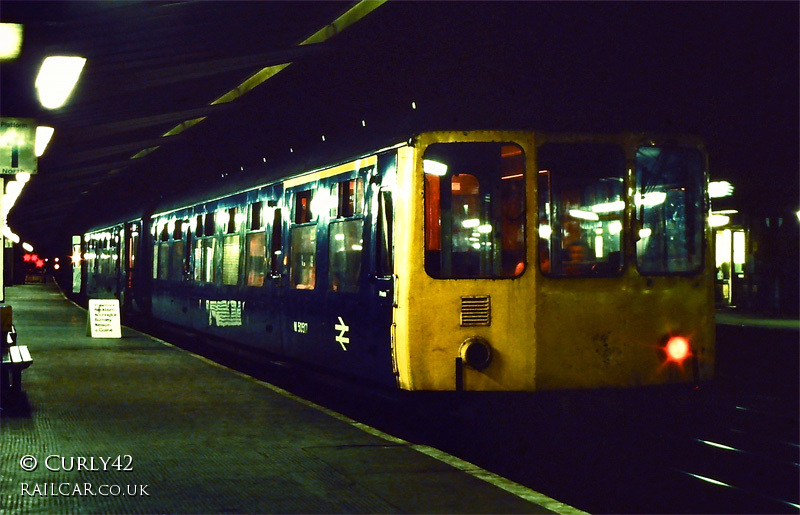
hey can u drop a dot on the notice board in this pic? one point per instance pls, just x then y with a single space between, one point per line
104 318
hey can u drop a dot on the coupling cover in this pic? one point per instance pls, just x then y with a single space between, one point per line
476 352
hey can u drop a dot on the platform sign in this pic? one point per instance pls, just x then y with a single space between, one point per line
104 318
17 138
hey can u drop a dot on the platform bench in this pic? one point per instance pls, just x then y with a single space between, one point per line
16 358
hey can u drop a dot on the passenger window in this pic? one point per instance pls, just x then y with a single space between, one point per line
177 232
197 253
163 260
255 267
256 221
207 260
302 207
177 250
209 227
350 198
303 251
204 260
231 247
581 209
133 247
345 244
256 263
474 210
155 259
232 221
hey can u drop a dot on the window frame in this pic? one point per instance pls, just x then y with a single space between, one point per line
700 222
255 226
599 269
439 223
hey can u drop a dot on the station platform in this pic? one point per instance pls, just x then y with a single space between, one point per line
745 319
136 425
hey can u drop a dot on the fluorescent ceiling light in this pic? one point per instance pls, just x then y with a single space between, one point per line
718 220
43 135
719 189
583 215
8 233
57 78
10 40
609 207
654 198
432 167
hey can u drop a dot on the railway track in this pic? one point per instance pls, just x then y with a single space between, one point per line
723 448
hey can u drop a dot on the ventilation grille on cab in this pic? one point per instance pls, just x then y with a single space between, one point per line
475 310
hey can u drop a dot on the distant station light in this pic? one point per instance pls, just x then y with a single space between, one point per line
10 40
43 136
57 78
720 189
9 234
27 246
718 220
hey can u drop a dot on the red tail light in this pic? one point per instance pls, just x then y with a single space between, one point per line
677 349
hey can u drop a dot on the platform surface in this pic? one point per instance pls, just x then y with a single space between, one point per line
744 319
135 425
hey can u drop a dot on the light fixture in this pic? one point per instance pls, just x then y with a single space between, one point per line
43 135
609 207
10 40
654 198
57 78
432 167
719 189
715 220
8 233
583 215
